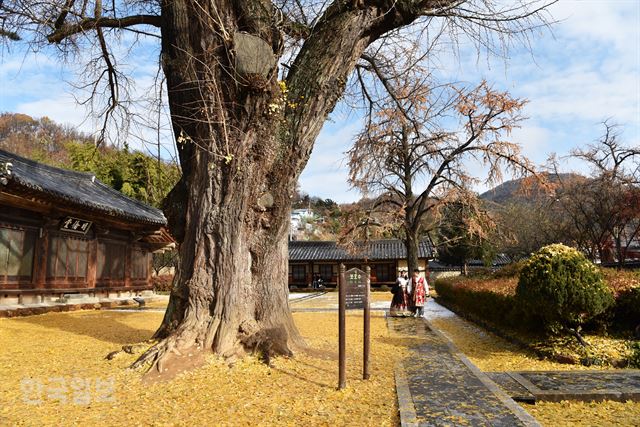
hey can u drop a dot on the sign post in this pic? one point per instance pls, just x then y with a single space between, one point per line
353 294
342 356
366 315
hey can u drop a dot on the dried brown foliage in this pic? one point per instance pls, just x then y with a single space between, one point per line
414 152
604 210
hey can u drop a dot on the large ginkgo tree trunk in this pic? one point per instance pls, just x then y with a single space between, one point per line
244 138
245 126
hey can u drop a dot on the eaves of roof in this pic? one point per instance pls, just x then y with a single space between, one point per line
79 189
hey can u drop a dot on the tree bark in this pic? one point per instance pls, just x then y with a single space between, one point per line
411 244
243 140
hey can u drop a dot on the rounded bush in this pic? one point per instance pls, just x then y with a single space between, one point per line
627 309
561 288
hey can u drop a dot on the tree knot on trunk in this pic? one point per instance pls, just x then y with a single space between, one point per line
254 60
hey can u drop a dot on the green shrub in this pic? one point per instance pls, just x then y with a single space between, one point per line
562 289
510 270
627 309
490 306
634 358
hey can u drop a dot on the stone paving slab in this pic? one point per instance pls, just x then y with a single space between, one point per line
513 388
444 387
553 386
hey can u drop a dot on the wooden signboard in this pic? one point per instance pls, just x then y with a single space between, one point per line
75 225
353 294
356 286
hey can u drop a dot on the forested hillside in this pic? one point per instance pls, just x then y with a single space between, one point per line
133 173
514 191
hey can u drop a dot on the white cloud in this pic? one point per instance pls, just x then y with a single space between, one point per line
588 72
596 21
536 142
62 109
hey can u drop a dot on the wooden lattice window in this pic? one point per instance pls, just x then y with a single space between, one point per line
111 256
326 272
385 272
298 272
16 254
67 259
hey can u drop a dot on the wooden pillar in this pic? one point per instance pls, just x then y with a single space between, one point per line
92 264
149 256
40 258
127 264
366 327
342 344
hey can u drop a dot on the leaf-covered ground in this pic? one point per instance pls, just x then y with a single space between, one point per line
54 373
492 353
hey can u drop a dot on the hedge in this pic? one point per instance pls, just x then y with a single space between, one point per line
162 283
495 308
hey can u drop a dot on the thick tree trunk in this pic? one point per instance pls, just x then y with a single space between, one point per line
412 242
243 140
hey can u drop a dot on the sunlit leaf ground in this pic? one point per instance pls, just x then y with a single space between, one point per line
492 353
54 373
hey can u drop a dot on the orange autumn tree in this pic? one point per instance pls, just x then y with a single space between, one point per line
414 153
603 210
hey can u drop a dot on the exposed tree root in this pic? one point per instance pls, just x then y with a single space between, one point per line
174 354
576 333
164 360
268 343
129 349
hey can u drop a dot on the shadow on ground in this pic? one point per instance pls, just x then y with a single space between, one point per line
112 328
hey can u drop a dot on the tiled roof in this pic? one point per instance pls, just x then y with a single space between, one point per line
499 261
376 250
75 188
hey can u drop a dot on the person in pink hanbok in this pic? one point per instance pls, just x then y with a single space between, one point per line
420 292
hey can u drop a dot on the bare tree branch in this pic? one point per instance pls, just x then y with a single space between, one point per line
95 23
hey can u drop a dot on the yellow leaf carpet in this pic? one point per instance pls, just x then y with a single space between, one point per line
491 353
54 373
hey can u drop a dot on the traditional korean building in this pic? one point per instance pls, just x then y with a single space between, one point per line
385 257
65 233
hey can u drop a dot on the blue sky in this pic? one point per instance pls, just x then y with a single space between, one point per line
583 71
587 69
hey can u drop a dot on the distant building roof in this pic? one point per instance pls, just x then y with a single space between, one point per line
500 260
387 249
75 188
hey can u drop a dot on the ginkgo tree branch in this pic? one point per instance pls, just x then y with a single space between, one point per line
86 24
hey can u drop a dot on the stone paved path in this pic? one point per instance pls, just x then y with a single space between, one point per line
439 386
553 386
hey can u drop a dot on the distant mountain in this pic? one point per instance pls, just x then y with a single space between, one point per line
511 191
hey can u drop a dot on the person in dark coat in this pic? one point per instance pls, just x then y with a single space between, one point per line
399 301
